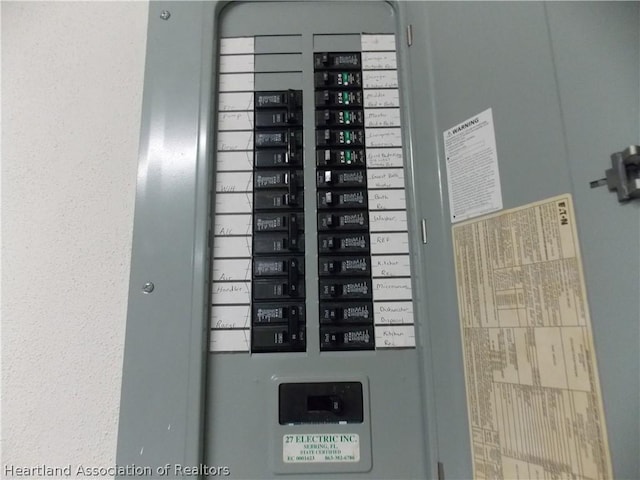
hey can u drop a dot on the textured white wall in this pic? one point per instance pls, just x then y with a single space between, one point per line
72 76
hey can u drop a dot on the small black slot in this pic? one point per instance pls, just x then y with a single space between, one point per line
320 403
323 402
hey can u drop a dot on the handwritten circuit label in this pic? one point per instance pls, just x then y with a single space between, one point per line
375 98
380 79
395 336
379 61
382 117
384 158
393 313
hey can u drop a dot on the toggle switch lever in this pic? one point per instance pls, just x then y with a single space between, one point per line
294 318
293 277
624 174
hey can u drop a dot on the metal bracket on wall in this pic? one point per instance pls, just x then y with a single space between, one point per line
624 174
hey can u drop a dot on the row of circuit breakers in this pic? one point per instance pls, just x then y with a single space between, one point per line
344 262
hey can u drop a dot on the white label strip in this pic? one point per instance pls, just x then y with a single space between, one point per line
235 121
232 247
230 316
382 243
379 79
383 137
390 266
392 289
235 101
234 203
236 161
384 157
236 63
225 269
377 42
235 141
321 448
236 82
232 225
387 200
381 98
230 340
382 117
393 313
385 178
379 60
230 182
395 336
388 221
223 293
236 45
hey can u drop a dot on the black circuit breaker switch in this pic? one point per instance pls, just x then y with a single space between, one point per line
277 118
274 289
339 138
343 243
340 158
278 199
339 118
343 199
291 139
289 99
268 243
276 179
343 221
347 338
267 313
277 222
339 98
344 266
341 178
345 313
277 338
276 266
337 61
345 289
284 157
346 79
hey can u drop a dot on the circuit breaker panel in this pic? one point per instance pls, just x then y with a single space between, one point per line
311 284
304 302
362 252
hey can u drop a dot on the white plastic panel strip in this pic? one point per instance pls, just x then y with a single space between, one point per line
232 242
390 259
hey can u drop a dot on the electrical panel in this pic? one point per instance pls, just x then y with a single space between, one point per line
312 308
311 253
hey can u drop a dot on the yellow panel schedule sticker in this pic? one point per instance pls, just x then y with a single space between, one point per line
533 393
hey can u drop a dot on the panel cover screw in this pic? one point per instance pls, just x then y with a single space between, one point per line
148 287
165 14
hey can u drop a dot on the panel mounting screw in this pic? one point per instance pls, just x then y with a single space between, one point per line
165 14
148 287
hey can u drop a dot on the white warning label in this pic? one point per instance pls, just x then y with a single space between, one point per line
321 448
472 168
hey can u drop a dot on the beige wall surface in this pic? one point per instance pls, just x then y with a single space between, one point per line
72 77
